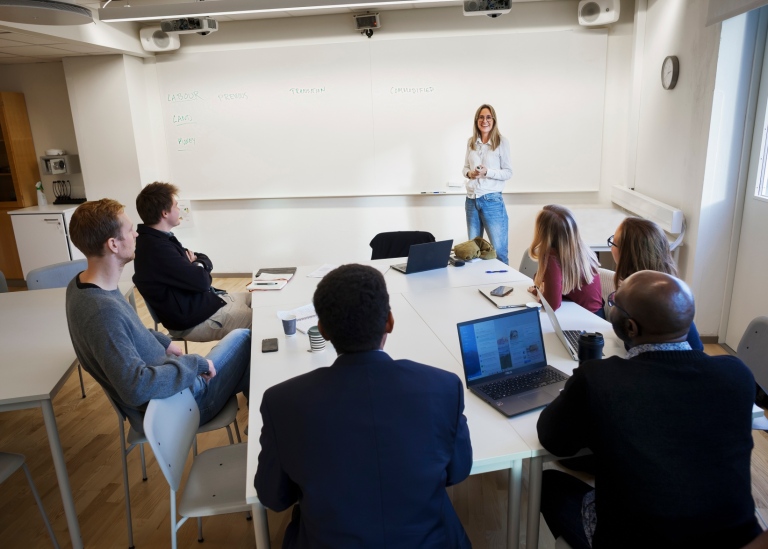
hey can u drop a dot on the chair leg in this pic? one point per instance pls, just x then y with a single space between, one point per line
200 530
237 432
80 373
124 455
174 524
186 348
40 505
143 463
229 433
194 446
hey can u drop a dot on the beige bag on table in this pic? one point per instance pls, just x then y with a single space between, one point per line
477 247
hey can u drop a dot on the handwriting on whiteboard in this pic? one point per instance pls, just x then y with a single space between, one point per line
411 91
306 91
185 96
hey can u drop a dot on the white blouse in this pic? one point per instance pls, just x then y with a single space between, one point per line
496 161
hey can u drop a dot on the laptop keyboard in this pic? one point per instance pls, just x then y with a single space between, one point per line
573 338
525 382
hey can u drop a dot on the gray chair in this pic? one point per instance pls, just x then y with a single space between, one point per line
753 351
157 322
9 464
58 275
606 286
3 283
226 417
528 266
215 482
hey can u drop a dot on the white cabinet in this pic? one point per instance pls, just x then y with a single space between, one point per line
42 236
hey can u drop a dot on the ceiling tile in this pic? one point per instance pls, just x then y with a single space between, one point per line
81 48
19 60
30 39
318 11
34 51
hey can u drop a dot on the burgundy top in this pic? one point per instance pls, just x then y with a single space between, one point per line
590 296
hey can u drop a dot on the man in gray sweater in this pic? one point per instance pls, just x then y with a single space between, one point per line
134 364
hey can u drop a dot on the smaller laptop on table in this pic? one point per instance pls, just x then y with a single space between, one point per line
426 257
569 338
505 363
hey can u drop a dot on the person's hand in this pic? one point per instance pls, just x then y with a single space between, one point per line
481 171
472 174
211 373
174 349
191 256
533 291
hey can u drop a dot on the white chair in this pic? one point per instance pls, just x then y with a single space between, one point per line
226 417
58 275
9 464
607 286
156 320
528 266
215 482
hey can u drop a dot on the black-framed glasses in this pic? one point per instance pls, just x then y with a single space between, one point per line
612 303
611 242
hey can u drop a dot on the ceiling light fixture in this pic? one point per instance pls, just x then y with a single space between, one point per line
43 12
239 7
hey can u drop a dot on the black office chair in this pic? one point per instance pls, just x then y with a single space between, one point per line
397 243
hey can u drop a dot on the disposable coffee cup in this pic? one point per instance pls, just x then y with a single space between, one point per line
289 325
316 341
590 346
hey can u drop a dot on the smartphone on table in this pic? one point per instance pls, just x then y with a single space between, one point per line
501 291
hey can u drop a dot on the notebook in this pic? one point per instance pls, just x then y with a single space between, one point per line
271 279
426 257
509 301
505 363
569 338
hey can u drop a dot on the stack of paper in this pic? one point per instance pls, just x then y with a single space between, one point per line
271 279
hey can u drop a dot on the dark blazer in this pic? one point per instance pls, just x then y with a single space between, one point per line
178 291
367 447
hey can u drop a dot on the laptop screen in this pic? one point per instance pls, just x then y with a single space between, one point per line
501 345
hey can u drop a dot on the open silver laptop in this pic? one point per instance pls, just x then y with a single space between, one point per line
505 363
426 257
569 338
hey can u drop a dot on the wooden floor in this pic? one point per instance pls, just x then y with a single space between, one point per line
89 436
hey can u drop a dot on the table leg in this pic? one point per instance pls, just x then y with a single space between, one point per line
61 474
513 506
534 502
260 525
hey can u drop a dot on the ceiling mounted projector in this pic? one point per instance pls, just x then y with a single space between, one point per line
43 12
189 25
491 8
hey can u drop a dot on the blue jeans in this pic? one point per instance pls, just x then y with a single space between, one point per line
232 360
488 212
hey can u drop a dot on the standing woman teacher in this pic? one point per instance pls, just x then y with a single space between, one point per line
487 168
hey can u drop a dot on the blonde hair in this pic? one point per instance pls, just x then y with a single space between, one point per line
556 234
495 137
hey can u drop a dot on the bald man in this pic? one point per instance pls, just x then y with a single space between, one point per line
670 429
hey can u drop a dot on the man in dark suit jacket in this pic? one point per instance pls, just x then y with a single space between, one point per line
365 447
670 429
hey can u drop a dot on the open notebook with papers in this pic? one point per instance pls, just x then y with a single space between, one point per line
271 279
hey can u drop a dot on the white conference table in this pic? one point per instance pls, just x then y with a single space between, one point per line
34 373
495 444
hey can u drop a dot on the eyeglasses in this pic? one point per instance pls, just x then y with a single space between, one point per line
612 303
611 241
481 118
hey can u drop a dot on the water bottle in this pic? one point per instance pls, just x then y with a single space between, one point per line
590 346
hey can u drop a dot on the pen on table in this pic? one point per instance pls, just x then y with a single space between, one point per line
432 192
265 283
503 271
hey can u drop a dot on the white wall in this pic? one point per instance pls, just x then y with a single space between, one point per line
242 234
673 134
50 117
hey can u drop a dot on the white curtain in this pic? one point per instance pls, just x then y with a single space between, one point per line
720 10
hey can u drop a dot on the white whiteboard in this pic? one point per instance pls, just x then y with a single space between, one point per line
390 117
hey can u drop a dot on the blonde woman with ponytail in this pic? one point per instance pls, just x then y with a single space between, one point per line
567 267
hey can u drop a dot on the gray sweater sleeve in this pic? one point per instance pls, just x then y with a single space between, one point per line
110 339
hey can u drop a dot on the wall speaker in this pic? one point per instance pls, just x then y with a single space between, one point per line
154 39
598 13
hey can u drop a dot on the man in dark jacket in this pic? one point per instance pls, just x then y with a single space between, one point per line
175 281
670 428
365 447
